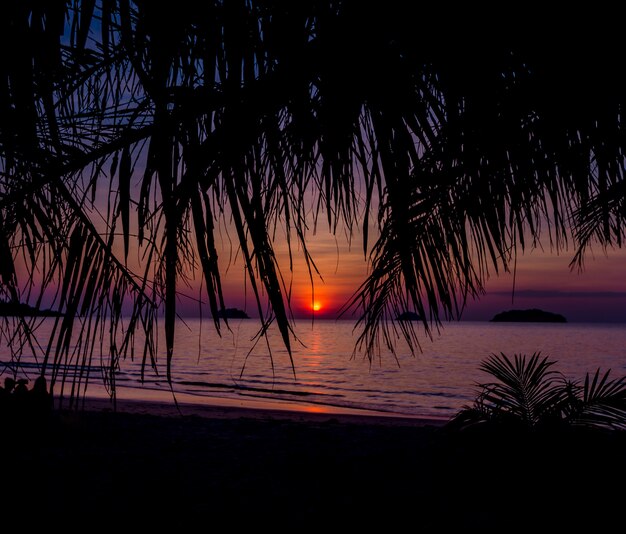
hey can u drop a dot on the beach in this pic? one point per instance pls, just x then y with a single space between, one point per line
151 465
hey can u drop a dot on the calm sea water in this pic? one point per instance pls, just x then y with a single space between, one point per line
437 381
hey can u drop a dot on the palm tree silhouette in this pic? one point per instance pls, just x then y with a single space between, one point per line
528 394
130 130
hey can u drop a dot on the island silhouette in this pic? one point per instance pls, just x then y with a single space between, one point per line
232 313
19 309
409 316
533 315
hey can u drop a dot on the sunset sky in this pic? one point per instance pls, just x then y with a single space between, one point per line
544 280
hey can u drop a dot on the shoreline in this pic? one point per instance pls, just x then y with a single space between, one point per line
155 403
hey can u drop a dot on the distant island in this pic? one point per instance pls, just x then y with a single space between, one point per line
232 313
408 316
528 316
18 309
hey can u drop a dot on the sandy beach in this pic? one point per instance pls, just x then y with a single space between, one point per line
151 465
163 403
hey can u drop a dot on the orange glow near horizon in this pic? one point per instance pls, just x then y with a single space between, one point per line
323 288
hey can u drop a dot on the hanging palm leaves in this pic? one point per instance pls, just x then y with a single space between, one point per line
128 131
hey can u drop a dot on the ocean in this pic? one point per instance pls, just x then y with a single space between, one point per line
435 382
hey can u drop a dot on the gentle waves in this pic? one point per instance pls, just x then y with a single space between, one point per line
437 381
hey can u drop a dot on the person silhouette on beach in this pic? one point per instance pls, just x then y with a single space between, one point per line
6 392
21 388
9 385
20 396
39 397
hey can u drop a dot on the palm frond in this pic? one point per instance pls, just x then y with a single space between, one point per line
526 388
601 402
528 392
262 110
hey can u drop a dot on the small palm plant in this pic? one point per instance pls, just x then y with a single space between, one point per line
529 393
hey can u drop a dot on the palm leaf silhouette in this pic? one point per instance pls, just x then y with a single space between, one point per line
274 117
528 392
526 388
599 402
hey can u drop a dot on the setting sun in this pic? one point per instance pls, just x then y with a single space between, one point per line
316 306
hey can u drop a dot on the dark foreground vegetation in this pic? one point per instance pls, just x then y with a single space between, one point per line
287 472
151 471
